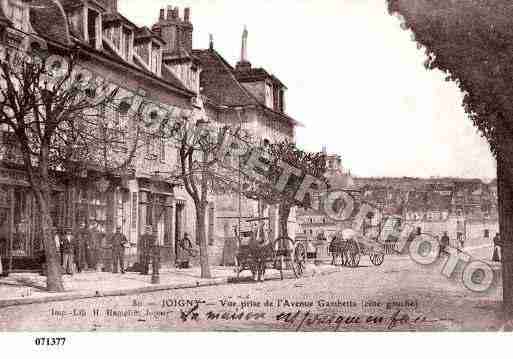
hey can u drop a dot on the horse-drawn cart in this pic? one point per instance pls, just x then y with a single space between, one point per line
347 248
256 252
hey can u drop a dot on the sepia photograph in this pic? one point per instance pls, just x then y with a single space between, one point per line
255 166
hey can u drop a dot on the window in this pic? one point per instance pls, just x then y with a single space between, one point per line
94 29
487 233
149 209
127 39
162 150
150 149
155 59
17 14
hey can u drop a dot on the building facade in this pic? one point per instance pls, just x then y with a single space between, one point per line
132 58
161 63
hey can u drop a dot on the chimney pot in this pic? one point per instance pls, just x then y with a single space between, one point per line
162 14
176 13
169 12
187 14
112 6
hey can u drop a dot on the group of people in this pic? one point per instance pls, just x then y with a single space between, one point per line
85 249
89 248
497 246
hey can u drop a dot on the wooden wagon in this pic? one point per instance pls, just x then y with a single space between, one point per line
256 252
347 250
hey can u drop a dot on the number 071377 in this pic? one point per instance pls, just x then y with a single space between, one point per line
47 341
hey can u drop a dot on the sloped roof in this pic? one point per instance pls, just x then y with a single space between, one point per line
48 17
219 82
220 85
145 32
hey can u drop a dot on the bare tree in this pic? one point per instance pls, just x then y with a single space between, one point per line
59 119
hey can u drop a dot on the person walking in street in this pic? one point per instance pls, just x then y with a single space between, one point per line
67 250
118 242
497 245
183 252
444 244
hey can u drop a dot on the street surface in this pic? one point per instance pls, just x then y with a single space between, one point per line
399 295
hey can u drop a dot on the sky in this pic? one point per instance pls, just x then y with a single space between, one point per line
355 80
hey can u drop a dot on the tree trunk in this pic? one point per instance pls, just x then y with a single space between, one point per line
505 192
202 240
283 219
53 265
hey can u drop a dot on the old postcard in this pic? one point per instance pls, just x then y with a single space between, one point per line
255 166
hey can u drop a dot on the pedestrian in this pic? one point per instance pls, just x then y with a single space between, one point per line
444 243
145 244
81 239
183 252
118 242
67 249
461 240
497 245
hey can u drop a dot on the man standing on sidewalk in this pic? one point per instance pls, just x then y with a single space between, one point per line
119 243
183 252
444 243
67 252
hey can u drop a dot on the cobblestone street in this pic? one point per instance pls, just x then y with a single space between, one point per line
407 295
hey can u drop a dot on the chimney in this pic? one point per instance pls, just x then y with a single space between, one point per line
176 32
211 41
162 14
176 13
112 6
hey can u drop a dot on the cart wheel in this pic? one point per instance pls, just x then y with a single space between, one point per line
377 258
353 254
299 260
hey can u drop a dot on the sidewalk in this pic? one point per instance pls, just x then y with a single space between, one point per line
29 288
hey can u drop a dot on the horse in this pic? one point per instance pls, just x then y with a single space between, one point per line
260 249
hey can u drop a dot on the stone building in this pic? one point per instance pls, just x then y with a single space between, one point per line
161 63
135 59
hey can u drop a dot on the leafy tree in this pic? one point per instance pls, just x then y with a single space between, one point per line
293 167
59 121
472 42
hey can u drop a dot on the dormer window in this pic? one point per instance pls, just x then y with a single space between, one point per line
156 59
18 14
94 29
127 42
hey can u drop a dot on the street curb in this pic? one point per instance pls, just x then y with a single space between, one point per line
140 290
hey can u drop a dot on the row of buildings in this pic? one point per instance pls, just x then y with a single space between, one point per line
161 61
465 208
